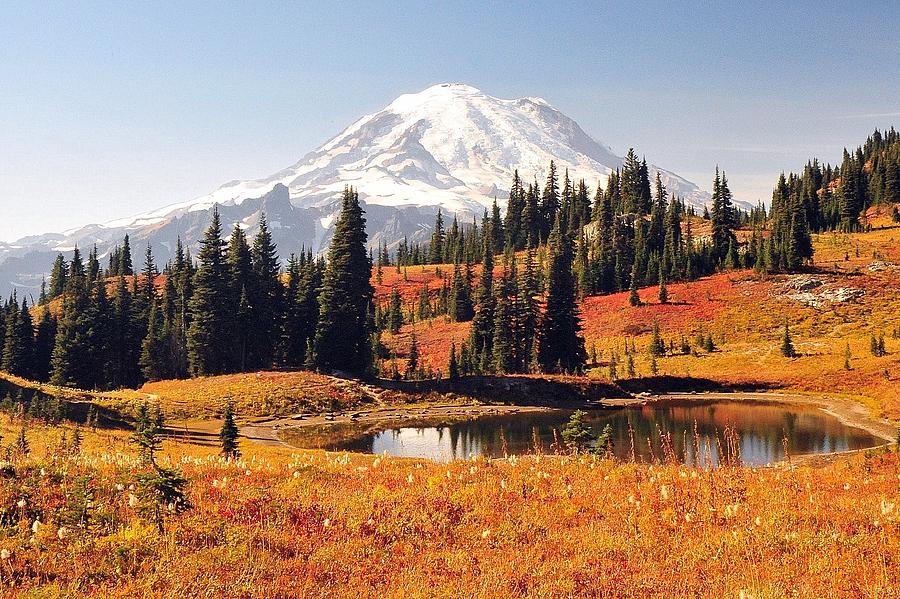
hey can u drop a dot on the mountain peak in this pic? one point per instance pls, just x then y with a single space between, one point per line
449 146
457 87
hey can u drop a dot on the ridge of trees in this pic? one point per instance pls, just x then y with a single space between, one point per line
235 308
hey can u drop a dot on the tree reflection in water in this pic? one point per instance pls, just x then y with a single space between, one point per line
693 432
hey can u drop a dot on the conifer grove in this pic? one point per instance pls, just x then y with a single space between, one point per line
517 276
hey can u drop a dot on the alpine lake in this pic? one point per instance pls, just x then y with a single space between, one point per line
694 432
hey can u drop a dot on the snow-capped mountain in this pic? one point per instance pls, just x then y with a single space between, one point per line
449 146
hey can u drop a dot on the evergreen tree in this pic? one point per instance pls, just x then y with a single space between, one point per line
561 344
95 325
722 217
800 247
549 201
58 277
240 285
43 344
160 490
482 336
412 362
787 346
657 234
436 247
497 232
68 364
342 340
266 296
209 339
395 312
93 265
577 434
228 434
154 361
460 301
453 364
423 307
124 338
301 308
531 217
18 348
145 300
125 266
175 342
515 207
672 245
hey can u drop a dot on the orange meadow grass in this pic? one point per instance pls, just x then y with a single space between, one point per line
307 523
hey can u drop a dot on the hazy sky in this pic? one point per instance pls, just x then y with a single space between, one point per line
107 111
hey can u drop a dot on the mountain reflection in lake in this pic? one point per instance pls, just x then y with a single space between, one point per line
762 431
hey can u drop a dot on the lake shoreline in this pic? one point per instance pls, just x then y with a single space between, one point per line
335 428
271 431
847 411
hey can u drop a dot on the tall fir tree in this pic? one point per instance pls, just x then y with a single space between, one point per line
43 344
482 334
154 361
515 207
57 277
266 298
125 266
395 312
18 348
561 344
209 338
549 201
343 340
436 247
722 218
240 287
460 298
70 347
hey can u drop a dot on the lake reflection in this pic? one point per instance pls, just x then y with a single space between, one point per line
695 433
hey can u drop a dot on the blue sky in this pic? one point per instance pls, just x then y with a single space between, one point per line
108 110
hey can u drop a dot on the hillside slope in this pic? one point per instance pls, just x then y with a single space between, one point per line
851 295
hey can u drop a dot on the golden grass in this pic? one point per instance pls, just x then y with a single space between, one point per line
264 394
283 524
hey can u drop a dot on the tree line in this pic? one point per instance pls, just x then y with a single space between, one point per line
233 309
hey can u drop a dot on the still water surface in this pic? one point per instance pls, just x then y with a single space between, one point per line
690 431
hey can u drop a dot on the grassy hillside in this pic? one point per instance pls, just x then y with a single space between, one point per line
853 293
